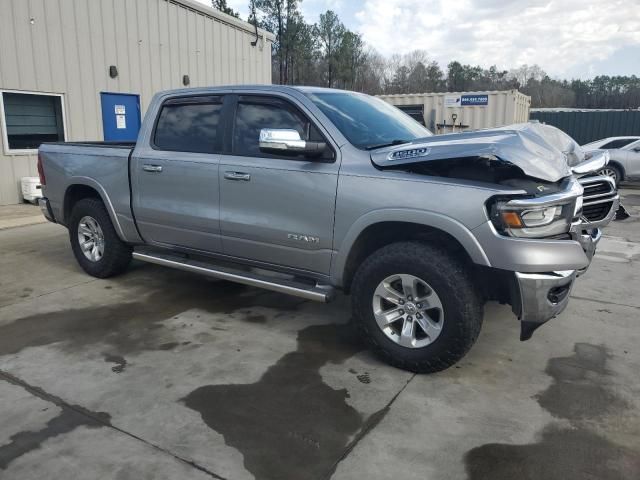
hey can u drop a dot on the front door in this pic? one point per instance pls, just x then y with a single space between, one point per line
120 116
175 178
277 209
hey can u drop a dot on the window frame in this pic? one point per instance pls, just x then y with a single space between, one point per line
3 120
266 98
629 147
628 140
218 144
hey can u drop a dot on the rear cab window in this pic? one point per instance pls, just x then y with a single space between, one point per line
189 124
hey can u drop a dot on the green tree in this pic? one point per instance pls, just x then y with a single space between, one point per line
282 18
350 58
224 8
330 32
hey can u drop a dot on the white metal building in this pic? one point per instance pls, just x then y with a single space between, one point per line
459 111
87 69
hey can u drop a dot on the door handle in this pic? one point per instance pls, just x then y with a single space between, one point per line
237 176
152 168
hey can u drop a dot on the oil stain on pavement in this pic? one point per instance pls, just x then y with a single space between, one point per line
289 424
580 394
27 441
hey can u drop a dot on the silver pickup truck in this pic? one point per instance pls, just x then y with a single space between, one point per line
307 191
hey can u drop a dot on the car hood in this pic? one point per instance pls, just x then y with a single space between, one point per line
540 151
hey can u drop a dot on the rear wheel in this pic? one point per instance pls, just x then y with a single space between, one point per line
94 241
416 306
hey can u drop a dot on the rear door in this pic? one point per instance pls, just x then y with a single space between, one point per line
276 209
175 178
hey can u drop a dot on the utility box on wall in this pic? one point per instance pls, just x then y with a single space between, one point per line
448 112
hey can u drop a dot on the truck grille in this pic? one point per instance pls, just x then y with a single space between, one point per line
598 198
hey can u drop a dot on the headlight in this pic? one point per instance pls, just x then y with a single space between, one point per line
537 217
533 222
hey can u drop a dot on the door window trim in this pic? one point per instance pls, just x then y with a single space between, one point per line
218 145
270 99
5 135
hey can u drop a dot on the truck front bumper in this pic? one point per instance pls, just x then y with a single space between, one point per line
544 296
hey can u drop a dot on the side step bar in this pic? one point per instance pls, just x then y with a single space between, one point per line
318 293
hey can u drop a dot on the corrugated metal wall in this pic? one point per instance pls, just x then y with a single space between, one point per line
67 46
587 126
503 108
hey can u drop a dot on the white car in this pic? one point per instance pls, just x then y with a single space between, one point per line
624 153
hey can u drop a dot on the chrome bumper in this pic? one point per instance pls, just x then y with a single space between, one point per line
45 208
544 296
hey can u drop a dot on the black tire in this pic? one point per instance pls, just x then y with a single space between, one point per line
617 171
117 254
452 282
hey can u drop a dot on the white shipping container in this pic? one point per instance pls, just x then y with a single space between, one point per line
467 110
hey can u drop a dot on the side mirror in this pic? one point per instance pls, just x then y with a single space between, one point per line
636 149
288 141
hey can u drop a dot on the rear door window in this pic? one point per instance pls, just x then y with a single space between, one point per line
189 125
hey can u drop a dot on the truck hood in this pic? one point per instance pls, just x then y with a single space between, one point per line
540 151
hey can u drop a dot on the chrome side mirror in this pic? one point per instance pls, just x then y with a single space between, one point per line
284 140
281 139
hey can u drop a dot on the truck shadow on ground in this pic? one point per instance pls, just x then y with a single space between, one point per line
582 395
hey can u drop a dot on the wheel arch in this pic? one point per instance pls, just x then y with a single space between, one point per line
83 187
620 168
380 228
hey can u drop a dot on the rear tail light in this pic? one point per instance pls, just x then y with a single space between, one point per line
43 180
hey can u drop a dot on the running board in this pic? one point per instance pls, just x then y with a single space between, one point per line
318 293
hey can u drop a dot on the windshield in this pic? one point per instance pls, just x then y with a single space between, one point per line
366 121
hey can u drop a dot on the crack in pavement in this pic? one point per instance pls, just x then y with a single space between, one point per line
371 423
93 418
605 302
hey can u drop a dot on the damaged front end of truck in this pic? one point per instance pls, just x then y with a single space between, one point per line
551 216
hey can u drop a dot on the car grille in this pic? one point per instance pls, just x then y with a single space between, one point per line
598 198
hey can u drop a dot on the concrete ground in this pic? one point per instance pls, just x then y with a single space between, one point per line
20 215
159 374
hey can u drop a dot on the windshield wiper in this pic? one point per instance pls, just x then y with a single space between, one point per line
388 144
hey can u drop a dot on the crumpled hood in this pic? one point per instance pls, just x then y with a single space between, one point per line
541 151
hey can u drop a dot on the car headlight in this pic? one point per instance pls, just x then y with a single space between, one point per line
537 217
532 222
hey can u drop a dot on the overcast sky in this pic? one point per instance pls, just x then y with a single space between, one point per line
567 38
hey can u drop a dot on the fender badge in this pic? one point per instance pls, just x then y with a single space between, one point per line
410 153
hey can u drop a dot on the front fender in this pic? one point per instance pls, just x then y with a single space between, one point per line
419 217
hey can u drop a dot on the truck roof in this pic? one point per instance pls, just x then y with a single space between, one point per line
266 88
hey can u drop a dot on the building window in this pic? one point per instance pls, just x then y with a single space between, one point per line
30 119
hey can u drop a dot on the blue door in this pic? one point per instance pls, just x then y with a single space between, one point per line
120 116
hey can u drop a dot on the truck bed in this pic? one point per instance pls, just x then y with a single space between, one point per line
103 166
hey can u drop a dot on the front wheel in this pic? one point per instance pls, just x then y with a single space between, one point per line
613 172
94 241
416 306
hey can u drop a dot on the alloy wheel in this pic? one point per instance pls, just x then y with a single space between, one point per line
91 238
408 311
